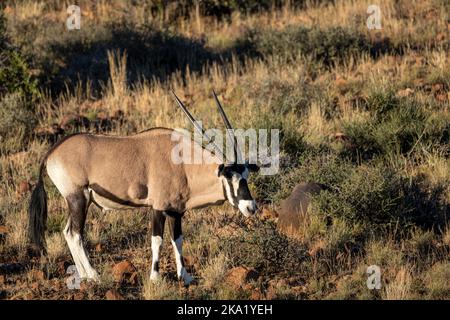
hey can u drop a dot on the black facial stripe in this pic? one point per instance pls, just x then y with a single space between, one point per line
156 266
243 192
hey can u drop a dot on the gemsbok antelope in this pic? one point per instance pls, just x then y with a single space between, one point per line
125 172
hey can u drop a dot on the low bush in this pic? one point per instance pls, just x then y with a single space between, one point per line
327 46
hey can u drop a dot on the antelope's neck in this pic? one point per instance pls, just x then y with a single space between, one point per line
205 186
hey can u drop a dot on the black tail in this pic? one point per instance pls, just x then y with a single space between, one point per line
37 214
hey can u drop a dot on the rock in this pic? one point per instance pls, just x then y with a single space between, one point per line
441 97
437 87
123 271
405 92
2 279
189 260
342 85
293 210
113 295
23 187
239 276
3 230
98 247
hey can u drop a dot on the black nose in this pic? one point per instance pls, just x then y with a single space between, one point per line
252 209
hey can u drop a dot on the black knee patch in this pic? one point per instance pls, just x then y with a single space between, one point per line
175 225
158 221
156 266
77 204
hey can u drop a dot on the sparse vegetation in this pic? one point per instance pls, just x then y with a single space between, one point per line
365 113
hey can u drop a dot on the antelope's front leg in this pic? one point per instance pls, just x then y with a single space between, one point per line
158 221
177 243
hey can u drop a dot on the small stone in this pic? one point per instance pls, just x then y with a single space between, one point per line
437 87
23 187
98 247
3 230
239 276
441 97
123 271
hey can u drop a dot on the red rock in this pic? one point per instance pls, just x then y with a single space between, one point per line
437 87
99 247
239 276
123 271
3 230
189 260
342 85
441 97
23 187
113 295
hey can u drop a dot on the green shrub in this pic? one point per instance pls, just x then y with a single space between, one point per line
380 199
14 72
396 127
17 121
327 46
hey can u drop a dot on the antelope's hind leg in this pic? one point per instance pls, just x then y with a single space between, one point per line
78 204
158 220
176 235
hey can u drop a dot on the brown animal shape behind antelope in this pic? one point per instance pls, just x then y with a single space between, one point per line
293 211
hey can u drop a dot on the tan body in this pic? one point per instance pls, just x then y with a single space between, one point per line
127 172
159 168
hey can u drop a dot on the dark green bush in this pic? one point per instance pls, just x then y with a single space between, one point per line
17 121
327 46
379 199
17 92
15 75
396 127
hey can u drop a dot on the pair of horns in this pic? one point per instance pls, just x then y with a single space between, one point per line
203 133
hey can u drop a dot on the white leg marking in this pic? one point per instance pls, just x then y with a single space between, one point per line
79 256
156 245
181 271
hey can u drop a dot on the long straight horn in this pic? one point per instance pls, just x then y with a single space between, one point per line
197 126
230 131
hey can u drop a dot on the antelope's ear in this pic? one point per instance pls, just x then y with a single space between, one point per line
253 167
220 170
